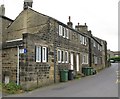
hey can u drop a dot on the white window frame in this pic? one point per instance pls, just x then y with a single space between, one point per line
87 58
81 39
94 43
64 32
66 57
62 56
67 33
84 58
38 54
95 60
44 54
85 38
100 48
60 30
59 56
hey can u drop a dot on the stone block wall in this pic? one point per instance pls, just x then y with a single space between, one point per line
9 63
35 74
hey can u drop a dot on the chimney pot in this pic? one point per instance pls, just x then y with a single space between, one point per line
70 24
2 10
27 4
69 18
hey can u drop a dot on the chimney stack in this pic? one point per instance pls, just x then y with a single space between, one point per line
70 24
2 10
77 27
27 4
82 28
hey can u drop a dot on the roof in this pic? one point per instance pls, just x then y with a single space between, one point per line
61 23
95 38
6 18
12 44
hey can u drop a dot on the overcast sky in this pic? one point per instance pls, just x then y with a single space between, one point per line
101 16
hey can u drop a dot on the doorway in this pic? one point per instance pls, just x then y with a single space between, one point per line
77 62
72 63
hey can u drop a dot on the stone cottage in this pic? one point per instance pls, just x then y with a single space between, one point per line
35 47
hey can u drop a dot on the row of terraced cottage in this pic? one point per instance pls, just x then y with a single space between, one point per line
35 47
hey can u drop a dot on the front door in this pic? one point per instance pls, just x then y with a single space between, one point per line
77 62
71 58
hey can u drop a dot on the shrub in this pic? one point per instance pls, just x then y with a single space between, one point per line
12 88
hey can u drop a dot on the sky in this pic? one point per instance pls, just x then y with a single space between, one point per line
101 16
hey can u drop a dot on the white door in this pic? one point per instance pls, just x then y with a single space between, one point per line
71 58
7 79
77 62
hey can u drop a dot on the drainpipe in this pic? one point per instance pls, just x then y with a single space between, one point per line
54 56
90 53
18 72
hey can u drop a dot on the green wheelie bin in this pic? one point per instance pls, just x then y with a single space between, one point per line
64 75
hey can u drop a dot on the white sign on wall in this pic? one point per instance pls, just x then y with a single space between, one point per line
21 51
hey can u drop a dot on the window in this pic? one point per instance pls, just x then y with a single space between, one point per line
38 53
94 43
62 56
67 34
85 41
85 58
95 60
64 32
59 56
81 39
41 54
60 30
100 60
66 57
44 54
100 48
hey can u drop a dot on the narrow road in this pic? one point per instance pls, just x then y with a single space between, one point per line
103 84
0 95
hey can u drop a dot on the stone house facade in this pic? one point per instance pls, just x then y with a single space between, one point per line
37 47
4 23
97 48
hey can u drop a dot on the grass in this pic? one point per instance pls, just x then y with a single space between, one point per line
11 88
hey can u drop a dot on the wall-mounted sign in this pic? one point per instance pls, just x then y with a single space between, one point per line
21 51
